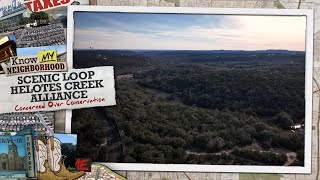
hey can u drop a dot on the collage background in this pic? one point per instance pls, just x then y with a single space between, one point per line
268 4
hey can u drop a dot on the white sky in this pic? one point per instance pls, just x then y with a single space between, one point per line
199 32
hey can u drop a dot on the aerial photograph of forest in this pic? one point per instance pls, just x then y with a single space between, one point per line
194 89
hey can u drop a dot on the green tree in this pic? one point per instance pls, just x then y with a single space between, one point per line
69 151
216 144
7 133
24 20
64 22
284 120
39 16
41 136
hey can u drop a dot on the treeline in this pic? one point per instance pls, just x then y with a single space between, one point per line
157 131
69 151
123 61
91 134
177 56
261 93
239 157
266 157
166 154
206 115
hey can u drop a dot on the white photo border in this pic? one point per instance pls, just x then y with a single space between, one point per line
225 11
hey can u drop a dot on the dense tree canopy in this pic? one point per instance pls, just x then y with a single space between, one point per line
181 109
39 16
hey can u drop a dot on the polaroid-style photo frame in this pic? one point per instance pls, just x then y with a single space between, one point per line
197 89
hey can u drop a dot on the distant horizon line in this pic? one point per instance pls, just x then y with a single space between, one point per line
192 49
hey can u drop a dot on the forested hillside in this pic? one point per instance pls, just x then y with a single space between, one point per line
199 107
